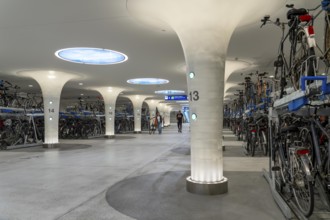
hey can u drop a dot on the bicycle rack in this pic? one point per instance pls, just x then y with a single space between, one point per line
31 119
295 102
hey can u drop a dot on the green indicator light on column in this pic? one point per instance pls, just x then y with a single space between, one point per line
191 75
194 116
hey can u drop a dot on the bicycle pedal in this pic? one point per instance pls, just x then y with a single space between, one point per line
276 168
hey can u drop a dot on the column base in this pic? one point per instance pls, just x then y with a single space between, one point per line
199 188
109 136
137 132
57 145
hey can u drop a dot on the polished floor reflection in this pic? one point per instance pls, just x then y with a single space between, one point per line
78 183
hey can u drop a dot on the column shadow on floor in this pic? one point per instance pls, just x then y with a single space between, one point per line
163 196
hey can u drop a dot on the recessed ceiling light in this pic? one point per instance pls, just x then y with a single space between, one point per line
81 94
92 56
30 86
168 92
147 81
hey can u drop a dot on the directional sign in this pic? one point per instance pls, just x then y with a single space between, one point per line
175 97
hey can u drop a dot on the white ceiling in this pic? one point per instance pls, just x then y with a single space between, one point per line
32 30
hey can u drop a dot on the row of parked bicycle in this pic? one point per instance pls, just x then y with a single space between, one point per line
24 130
287 118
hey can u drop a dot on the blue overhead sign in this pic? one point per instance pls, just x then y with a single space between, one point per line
176 97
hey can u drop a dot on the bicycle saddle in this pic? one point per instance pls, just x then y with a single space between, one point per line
295 12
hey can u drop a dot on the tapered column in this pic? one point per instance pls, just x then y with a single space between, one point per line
110 95
137 101
152 104
167 114
51 84
204 29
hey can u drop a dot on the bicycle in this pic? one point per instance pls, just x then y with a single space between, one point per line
292 165
326 8
302 58
316 138
152 127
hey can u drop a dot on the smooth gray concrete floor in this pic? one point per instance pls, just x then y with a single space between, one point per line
73 184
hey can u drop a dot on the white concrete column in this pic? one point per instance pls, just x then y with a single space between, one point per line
165 115
109 95
137 101
51 84
152 104
204 29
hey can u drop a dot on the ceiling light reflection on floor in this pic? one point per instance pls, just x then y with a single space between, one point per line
92 56
147 81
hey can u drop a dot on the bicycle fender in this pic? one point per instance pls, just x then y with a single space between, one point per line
310 37
306 166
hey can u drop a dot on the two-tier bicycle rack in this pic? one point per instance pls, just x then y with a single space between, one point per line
20 112
295 102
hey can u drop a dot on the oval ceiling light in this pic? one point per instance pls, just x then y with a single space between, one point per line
92 56
147 81
169 92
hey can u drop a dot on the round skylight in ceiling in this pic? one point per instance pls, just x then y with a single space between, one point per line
147 81
169 92
92 56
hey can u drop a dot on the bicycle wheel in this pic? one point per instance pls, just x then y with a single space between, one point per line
327 39
263 143
321 187
303 60
302 187
248 144
253 145
278 171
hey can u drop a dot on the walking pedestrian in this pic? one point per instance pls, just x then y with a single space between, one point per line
159 122
179 118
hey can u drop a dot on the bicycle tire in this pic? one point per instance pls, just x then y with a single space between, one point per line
327 39
253 146
278 174
302 188
263 143
248 145
300 54
322 190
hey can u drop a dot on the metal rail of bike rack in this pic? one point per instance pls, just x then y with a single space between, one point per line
296 101
30 116
299 98
286 210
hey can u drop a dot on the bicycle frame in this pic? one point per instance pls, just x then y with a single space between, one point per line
313 124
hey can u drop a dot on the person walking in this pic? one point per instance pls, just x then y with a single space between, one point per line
179 118
159 122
